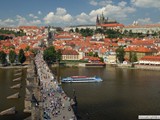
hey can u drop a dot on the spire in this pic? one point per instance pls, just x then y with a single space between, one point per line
97 20
103 17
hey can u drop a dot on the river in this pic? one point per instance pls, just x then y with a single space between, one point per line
123 95
6 77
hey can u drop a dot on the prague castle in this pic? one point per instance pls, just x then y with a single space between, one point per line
102 22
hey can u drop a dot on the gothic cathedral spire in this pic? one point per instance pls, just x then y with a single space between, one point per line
97 20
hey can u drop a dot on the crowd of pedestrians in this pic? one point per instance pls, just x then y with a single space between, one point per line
56 105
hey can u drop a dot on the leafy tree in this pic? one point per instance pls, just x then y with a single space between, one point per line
132 57
99 30
50 55
101 59
90 54
71 30
34 51
120 53
11 47
19 33
27 48
12 56
95 54
3 57
21 56
86 32
77 30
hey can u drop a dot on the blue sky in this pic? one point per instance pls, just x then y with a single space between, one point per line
75 12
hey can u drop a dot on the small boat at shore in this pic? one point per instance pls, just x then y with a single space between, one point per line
77 79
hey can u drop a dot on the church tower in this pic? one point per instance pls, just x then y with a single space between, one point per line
97 20
50 37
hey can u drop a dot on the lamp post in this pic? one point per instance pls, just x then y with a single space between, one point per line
58 72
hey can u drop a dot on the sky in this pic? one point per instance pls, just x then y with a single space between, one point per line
77 12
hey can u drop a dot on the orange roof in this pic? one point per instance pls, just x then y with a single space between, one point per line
114 44
23 46
69 52
28 27
112 25
60 37
138 49
103 50
151 58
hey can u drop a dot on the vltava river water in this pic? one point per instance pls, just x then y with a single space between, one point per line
123 95
6 77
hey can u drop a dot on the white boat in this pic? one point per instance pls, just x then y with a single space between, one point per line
81 79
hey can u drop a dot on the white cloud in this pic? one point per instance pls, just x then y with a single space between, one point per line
61 11
119 11
39 13
32 16
7 22
94 3
100 3
122 3
82 18
67 18
146 3
49 18
35 22
144 20
60 16
23 21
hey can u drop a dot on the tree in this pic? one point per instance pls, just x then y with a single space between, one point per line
3 57
101 59
27 48
50 55
95 54
132 57
12 56
90 54
21 56
77 30
71 30
120 53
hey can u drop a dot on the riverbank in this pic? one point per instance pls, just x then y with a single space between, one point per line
9 67
137 66
125 66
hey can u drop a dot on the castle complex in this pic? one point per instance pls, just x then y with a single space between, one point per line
102 22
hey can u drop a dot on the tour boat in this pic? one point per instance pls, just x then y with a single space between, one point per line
81 79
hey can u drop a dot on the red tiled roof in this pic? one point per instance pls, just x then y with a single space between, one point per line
23 46
28 27
138 49
112 25
151 58
69 52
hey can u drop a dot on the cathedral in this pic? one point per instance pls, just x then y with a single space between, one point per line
104 23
